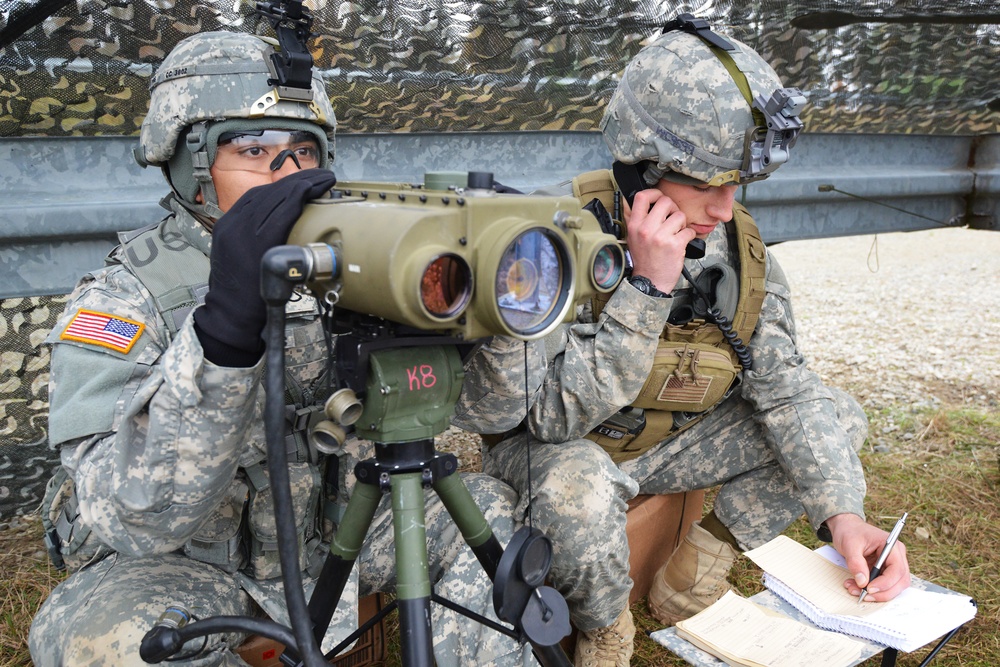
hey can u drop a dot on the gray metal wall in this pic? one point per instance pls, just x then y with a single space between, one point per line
63 199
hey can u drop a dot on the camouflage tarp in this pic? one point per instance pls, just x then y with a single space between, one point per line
25 458
886 66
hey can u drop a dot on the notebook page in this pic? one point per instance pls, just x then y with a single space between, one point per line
911 620
740 632
810 575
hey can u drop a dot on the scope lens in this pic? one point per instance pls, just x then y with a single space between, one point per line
609 265
532 281
446 286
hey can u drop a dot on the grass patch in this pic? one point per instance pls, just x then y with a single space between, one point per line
27 579
941 466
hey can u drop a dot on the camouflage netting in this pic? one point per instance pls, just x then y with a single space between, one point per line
25 458
886 66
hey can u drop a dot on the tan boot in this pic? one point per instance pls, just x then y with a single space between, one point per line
693 578
606 647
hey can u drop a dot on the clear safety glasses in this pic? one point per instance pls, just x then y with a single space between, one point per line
264 151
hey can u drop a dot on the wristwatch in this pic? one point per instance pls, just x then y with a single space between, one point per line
646 286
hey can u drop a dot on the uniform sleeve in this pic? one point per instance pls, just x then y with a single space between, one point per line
577 377
151 436
798 414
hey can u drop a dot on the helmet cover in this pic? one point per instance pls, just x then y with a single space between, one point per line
678 107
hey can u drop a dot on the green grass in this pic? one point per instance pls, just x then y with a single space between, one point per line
946 476
941 466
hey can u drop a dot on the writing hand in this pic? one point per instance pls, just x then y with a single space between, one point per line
860 544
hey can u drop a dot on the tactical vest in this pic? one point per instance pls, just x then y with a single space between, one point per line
694 367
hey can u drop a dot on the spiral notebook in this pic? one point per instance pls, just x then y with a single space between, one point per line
812 582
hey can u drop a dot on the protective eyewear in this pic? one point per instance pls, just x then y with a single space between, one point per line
264 151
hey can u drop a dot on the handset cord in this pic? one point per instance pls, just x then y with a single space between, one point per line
725 326
527 431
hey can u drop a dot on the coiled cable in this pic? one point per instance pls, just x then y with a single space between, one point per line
715 316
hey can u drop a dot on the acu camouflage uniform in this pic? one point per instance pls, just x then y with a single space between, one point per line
782 443
779 443
167 456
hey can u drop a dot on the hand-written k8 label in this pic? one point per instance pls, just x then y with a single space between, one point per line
421 377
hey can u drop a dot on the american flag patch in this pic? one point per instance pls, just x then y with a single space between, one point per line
116 333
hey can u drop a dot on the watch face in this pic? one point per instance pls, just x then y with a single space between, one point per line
641 283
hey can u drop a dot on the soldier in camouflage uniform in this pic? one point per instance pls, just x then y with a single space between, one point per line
645 394
156 401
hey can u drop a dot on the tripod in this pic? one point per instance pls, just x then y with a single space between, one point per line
410 394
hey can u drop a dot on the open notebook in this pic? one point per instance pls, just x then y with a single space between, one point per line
812 582
741 633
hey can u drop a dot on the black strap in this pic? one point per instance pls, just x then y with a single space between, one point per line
690 24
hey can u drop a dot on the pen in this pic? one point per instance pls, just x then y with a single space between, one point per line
890 542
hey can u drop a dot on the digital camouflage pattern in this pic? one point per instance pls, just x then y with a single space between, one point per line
881 66
677 105
220 75
782 444
165 449
26 462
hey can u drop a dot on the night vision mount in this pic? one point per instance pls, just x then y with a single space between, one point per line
292 66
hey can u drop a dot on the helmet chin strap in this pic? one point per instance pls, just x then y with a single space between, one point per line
197 143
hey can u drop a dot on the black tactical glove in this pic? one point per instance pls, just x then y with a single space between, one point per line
230 323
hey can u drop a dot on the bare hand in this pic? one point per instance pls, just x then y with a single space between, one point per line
658 234
860 543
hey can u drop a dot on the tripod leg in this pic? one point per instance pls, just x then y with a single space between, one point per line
413 588
343 552
470 520
478 534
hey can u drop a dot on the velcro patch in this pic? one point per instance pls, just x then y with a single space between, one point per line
685 389
110 331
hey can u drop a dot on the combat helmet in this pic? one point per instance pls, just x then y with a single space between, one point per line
217 82
698 108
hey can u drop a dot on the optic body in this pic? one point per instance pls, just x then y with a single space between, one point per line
468 264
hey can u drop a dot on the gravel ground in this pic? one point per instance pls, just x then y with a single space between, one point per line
899 320
904 318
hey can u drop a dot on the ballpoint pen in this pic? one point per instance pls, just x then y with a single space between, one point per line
890 542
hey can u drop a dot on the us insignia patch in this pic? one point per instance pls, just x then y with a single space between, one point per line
116 333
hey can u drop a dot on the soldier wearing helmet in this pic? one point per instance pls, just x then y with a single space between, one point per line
687 376
156 398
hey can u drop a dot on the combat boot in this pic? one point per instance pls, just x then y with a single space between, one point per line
693 578
607 647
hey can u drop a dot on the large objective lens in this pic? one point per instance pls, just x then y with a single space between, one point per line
532 281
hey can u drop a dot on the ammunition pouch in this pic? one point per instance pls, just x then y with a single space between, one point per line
219 541
264 562
70 543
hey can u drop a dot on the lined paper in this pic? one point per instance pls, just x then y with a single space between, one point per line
814 585
740 632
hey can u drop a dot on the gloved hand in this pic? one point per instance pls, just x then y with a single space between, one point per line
230 323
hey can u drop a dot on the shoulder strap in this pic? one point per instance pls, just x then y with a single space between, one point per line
174 271
587 186
597 184
753 267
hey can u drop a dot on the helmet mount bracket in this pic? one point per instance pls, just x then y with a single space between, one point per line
292 66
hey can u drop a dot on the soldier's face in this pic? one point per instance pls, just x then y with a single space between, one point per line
245 161
705 207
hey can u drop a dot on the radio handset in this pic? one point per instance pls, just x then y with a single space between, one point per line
629 178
